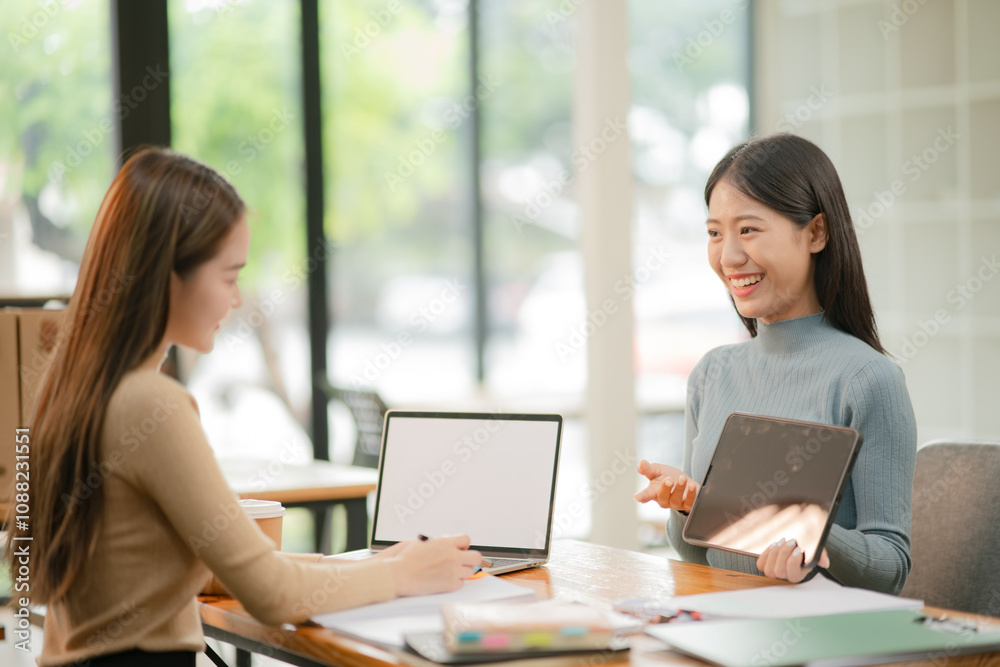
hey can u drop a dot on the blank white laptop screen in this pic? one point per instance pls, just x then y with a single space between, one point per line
491 477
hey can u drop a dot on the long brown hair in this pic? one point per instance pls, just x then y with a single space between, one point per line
163 212
794 177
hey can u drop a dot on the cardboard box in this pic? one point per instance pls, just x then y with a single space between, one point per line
27 341
10 399
37 331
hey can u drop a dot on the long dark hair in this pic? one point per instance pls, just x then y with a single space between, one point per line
792 176
163 212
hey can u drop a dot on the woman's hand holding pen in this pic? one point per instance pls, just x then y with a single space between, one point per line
668 486
431 566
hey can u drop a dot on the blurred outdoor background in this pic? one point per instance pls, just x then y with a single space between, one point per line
396 221
903 96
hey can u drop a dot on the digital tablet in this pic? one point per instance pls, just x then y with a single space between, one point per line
769 479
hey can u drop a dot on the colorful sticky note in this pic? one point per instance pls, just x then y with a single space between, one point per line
496 641
537 638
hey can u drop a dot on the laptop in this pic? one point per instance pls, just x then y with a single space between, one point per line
772 478
490 476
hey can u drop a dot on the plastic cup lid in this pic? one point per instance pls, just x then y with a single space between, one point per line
262 509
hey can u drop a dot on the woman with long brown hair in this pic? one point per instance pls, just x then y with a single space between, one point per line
130 513
782 242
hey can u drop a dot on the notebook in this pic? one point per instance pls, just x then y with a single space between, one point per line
389 623
490 476
817 597
827 641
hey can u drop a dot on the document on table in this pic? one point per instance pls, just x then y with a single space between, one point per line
825 641
387 622
818 597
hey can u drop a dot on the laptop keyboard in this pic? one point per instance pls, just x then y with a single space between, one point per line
503 562
496 562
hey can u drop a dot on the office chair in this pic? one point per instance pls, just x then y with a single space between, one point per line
955 534
368 412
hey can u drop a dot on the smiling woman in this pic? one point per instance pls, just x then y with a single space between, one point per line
762 256
125 481
786 179
782 242
206 294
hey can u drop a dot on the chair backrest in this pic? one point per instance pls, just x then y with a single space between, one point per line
955 534
368 411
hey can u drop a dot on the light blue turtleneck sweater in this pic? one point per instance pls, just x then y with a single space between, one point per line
806 369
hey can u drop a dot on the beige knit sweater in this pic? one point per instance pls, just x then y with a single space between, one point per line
170 518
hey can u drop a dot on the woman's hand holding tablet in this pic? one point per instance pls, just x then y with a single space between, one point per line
668 486
772 491
784 560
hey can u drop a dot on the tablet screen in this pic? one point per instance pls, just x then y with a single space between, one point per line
771 479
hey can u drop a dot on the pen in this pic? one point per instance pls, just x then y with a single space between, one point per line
485 563
947 624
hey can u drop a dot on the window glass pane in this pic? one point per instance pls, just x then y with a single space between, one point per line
396 150
690 80
535 276
689 105
535 287
236 105
59 117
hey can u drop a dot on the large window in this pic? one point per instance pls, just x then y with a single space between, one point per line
690 82
689 65
399 206
396 151
399 200
55 157
236 105
399 142
532 260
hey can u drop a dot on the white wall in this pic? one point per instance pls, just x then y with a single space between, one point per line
905 95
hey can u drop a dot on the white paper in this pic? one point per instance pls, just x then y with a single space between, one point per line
386 622
818 597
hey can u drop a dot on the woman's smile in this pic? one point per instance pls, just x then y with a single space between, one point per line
764 258
743 284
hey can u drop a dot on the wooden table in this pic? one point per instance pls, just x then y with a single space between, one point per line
578 571
318 487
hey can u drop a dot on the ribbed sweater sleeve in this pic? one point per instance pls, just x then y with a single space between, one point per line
176 466
806 369
676 520
168 517
876 553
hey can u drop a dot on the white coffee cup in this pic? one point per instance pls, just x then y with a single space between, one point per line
268 514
